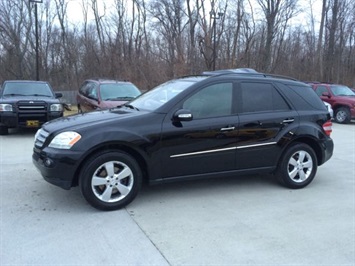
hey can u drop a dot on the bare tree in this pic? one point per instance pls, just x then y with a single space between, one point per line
15 36
277 14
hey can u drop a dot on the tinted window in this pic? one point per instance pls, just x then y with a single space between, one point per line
211 101
260 97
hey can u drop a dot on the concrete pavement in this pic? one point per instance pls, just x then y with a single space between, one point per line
229 221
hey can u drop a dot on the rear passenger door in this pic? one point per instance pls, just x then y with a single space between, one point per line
264 119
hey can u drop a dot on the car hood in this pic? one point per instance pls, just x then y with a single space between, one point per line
14 99
347 98
95 118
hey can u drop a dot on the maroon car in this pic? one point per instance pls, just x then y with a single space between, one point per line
340 97
96 94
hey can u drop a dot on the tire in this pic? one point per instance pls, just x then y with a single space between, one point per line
297 167
342 115
4 130
110 180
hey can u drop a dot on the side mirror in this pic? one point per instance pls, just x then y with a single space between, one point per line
58 95
182 115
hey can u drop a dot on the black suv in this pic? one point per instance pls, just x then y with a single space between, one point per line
28 104
221 123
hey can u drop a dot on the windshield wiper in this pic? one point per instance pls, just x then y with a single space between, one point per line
131 106
120 98
44 95
14 94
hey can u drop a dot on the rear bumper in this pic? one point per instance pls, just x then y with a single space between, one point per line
328 148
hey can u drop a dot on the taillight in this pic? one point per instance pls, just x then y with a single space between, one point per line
327 126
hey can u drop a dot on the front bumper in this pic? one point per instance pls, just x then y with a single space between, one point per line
57 167
14 120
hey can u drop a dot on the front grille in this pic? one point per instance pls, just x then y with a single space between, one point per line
41 137
31 106
32 110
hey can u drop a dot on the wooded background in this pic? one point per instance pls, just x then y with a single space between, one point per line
151 41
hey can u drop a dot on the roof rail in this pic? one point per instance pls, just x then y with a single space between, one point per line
245 71
232 71
279 76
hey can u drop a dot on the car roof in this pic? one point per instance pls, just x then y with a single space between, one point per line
25 81
106 80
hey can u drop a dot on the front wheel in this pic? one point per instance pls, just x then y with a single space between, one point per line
110 180
298 166
342 115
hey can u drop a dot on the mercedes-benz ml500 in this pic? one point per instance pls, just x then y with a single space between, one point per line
216 124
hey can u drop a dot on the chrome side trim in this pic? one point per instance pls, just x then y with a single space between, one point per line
218 150
256 145
202 152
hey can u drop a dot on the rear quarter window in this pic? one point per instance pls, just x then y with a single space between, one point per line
302 97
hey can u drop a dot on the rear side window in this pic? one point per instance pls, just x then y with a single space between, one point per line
260 97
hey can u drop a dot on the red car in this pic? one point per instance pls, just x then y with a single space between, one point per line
340 97
96 94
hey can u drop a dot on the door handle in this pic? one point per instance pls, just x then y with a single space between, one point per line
227 128
288 120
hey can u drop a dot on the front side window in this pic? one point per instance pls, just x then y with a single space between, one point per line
260 97
320 90
212 101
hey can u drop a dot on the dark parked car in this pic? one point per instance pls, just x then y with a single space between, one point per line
25 103
340 97
96 94
218 124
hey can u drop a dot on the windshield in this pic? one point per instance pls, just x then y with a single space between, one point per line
158 96
118 91
340 90
27 89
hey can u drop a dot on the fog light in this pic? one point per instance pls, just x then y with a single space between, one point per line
48 162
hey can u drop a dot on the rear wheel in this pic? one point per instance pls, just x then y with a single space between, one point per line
298 166
110 180
342 115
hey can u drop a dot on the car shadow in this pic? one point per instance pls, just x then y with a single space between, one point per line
219 186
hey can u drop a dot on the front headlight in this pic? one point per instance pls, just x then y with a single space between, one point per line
56 107
5 107
65 140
